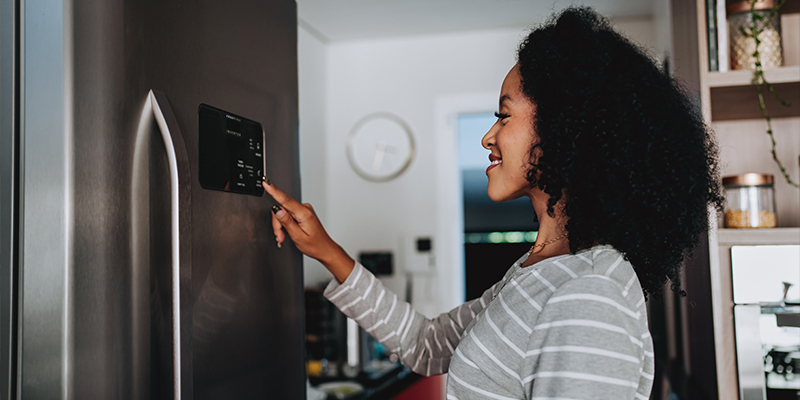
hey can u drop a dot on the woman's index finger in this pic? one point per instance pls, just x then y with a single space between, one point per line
286 201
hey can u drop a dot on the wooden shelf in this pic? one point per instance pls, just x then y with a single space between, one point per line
759 236
788 74
740 102
791 7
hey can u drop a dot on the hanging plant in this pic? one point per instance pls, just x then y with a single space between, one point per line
758 23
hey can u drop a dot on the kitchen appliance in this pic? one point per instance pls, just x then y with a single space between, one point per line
338 349
766 297
325 336
137 260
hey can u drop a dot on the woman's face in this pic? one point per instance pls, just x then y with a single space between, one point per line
510 140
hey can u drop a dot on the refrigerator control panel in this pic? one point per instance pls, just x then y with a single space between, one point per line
231 152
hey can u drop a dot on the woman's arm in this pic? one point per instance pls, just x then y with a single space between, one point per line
423 344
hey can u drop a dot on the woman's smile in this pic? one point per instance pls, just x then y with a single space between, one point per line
495 161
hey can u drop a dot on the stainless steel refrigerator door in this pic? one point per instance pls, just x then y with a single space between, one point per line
94 324
247 316
46 262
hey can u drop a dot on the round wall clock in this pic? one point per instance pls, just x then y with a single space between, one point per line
380 147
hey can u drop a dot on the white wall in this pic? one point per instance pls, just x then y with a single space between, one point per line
641 30
410 77
311 60
662 28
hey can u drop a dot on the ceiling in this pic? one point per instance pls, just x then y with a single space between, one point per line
337 20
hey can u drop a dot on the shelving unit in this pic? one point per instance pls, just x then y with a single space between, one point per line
730 106
729 103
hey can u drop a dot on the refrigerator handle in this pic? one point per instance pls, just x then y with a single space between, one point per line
157 109
180 215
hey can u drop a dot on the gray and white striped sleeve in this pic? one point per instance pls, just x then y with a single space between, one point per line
424 345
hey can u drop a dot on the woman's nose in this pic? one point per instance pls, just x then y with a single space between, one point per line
488 138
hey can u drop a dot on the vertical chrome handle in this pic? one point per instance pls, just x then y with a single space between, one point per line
157 109
180 202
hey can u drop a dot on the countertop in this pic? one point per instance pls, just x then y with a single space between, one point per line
385 388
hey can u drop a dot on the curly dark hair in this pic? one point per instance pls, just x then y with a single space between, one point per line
621 142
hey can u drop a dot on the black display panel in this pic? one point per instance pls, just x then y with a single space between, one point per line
231 152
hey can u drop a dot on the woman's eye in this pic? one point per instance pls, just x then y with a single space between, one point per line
501 116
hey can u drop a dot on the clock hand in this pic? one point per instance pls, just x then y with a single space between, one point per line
378 160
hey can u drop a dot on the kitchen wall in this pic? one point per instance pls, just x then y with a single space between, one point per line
311 62
341 82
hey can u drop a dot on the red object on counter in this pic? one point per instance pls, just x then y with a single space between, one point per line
428 388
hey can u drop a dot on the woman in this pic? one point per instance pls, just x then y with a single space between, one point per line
620 171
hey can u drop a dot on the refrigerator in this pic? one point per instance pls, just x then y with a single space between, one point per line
137 259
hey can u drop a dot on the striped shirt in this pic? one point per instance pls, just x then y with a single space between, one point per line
568 327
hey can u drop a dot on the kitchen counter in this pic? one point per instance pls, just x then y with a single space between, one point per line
386 388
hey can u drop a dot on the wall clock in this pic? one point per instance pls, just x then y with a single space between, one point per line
380 147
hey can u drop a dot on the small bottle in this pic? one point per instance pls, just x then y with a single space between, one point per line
750 201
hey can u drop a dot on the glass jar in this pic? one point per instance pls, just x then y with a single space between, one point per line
742 46
750 201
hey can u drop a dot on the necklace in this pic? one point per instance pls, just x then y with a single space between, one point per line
541 245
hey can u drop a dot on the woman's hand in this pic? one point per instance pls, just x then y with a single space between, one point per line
301 223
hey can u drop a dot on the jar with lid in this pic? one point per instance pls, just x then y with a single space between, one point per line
742 46
750 201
